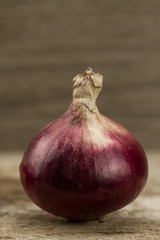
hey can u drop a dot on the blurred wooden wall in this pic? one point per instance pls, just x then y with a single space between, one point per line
43 44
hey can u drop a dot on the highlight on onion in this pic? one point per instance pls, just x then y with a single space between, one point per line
83 165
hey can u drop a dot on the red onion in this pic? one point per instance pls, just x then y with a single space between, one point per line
83 165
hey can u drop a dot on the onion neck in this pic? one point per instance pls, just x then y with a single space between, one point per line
85 91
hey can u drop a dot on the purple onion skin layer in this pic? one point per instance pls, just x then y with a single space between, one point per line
66 175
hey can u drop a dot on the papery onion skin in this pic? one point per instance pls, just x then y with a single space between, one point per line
83 166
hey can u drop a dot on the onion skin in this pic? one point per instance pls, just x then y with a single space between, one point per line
83 165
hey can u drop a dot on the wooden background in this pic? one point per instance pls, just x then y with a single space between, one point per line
43 44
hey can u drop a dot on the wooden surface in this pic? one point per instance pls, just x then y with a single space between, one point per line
43 44
20 219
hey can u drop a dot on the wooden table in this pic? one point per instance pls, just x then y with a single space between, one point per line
21 219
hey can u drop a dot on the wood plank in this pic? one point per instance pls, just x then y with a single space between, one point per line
44 44
21 219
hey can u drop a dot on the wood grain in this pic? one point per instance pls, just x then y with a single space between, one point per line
43 44
20 219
